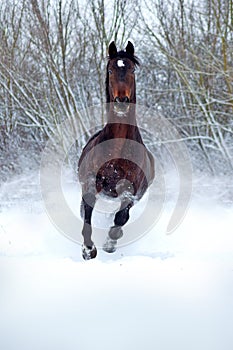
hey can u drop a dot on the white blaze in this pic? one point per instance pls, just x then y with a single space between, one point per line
120 63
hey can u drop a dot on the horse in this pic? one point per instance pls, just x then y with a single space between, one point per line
115 162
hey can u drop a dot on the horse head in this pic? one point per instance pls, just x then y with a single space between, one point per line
120 78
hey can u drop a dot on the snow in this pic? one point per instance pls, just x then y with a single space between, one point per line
162 291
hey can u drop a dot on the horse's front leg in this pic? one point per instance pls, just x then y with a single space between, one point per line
89 250
116 232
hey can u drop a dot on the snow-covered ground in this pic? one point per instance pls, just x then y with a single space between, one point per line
160 292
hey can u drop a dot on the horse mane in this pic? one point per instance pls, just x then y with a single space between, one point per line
124 54
119 54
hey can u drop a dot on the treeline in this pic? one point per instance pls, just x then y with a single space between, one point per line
53 57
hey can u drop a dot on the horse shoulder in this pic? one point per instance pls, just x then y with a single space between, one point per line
89 145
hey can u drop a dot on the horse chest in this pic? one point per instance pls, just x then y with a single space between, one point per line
118 176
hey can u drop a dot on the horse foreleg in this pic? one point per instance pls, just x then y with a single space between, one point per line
116 232
89 250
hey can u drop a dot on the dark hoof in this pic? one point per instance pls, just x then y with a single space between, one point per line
110 245
89 252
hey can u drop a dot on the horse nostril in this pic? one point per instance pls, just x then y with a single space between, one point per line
117 99
126 99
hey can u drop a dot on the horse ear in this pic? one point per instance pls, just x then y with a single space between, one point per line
112 50
130 48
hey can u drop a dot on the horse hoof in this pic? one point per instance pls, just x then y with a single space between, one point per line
89 252
110 245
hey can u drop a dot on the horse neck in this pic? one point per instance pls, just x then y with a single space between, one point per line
128 118
124 126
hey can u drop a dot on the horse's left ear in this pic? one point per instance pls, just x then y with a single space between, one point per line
130 48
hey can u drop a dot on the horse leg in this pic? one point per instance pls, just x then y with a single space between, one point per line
89 250
116 232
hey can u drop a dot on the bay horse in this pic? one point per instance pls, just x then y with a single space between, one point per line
115 162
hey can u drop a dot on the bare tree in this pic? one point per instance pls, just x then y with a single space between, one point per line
53 59
195 46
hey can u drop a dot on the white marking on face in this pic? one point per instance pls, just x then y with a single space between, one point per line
120 63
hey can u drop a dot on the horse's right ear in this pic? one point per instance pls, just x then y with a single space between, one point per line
112 50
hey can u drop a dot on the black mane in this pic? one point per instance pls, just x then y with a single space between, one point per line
124 54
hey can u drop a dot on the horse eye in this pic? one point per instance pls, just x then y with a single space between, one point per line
110 71
133 70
